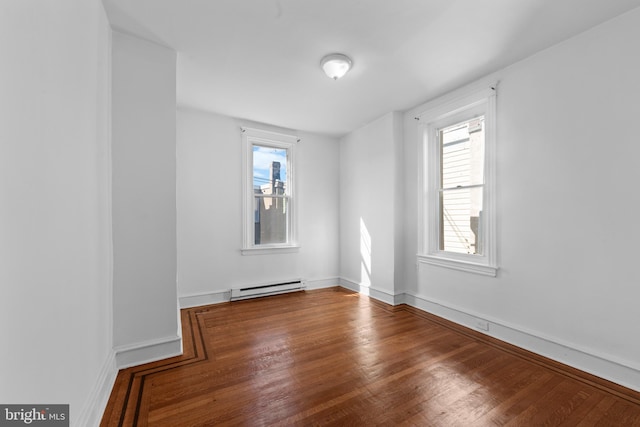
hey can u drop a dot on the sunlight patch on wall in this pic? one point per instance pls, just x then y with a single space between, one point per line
365 255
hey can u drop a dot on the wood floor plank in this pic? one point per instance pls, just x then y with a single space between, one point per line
333 357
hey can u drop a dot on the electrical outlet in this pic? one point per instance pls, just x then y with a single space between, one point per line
483 325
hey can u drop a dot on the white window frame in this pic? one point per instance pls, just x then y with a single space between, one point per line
439 114
251 137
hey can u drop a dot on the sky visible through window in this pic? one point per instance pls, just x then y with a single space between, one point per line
263 157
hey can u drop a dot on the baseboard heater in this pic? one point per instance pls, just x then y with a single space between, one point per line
267 289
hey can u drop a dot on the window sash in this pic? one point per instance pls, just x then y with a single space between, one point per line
283 170
460 230
269 228
276 227
461 170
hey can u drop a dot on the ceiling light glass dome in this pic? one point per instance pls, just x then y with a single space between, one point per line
335 65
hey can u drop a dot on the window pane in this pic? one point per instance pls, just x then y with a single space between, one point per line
462 154
270 169
271 220
460 225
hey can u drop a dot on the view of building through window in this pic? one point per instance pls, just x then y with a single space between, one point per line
461 186
270 195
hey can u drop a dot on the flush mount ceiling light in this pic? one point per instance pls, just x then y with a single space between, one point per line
335 65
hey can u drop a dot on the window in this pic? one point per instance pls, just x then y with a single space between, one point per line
457 222
269 196
461 167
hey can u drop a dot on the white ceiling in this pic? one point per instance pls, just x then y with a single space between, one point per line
259 59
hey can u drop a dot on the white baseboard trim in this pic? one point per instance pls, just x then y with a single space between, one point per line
369 290
94 406
603 366
149 351
328 282
213 297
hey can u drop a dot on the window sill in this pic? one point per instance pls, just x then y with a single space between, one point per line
460 265
271 250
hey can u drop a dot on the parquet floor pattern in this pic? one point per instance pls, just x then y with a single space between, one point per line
333 357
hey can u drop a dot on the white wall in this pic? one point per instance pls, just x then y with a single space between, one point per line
210 211
568 234
144 200
369 196
55 232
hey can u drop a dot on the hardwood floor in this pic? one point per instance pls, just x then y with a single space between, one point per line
333 357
